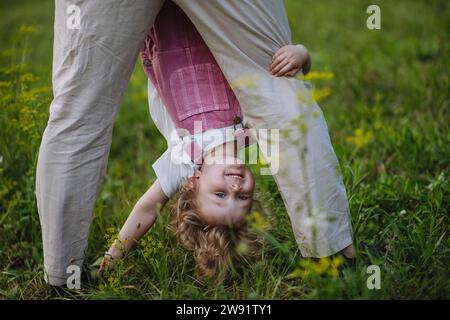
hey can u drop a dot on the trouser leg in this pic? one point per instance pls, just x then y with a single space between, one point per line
243 36
92 62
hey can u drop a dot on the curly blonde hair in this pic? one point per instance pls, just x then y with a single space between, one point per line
214 247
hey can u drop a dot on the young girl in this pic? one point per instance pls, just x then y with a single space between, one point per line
194 107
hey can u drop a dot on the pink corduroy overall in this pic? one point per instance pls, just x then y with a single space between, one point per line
186 75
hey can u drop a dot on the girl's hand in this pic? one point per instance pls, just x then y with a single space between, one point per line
138 223
106 264
289 59
115 252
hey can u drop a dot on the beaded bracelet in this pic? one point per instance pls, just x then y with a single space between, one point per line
109 254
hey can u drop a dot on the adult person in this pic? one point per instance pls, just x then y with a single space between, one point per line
92 65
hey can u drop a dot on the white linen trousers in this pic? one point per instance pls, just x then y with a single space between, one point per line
92 64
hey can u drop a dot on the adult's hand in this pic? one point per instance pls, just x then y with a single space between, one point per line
290 59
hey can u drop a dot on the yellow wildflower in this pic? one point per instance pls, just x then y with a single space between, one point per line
248 82
360 138
258 221
320 94
319 75
27 29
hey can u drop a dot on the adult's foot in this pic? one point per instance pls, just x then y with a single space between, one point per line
348 252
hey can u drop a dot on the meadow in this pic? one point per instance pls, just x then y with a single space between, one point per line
385 96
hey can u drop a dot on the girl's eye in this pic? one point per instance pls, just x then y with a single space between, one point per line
220 194
244 197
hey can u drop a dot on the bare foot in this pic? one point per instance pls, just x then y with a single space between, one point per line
348 252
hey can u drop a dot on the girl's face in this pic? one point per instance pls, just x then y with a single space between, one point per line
224 193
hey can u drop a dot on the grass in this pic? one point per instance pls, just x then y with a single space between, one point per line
387 108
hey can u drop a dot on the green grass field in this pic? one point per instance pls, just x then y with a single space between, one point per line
386 102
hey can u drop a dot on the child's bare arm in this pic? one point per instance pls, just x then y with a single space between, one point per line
289 59
139 221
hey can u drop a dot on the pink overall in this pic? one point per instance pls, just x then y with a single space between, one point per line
186 75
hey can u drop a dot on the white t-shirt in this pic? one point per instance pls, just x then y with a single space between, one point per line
175 164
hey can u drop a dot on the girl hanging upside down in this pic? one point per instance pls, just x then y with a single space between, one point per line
194 107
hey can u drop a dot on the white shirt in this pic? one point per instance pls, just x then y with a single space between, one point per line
175 164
